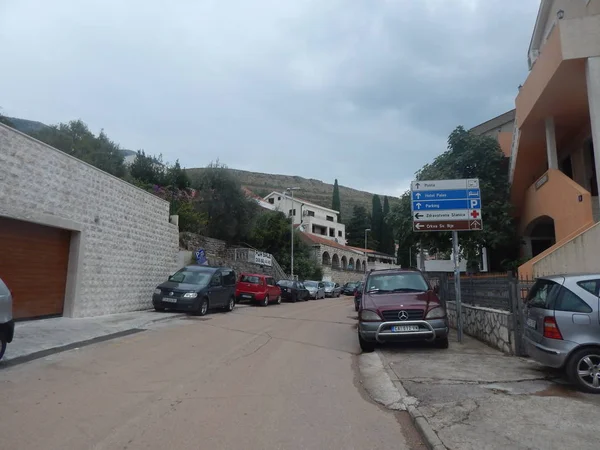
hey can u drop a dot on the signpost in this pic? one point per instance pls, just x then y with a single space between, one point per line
448 205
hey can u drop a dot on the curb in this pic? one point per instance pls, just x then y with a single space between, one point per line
378 382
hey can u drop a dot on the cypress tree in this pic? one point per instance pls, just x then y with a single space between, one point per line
376 222
336 204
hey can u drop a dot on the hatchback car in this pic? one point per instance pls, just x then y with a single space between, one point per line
358 294
7 324
258 288
562 327
316 289
197 289
399 305
349 288
293 290
332 289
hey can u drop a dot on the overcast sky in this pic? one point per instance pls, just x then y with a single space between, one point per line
365 91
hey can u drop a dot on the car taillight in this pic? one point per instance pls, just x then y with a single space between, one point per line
551 328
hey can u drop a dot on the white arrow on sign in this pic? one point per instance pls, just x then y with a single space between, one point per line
418 226
418 195
418 205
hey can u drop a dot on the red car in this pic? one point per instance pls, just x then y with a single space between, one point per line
256 287
399 305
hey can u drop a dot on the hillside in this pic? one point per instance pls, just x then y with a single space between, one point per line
314 191
27 126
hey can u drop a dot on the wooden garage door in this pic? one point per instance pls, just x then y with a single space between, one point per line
33 264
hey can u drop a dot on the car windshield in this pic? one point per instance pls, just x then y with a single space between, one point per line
191 277
329 284
311 284
397 282
286 283
351 285
252 279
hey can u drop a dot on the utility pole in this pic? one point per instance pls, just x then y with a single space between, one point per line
292 189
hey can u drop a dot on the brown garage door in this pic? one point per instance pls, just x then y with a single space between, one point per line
33 264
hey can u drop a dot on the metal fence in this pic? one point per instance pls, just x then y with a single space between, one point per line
499 291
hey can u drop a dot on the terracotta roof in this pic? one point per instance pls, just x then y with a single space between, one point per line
373 252
249 193
324 241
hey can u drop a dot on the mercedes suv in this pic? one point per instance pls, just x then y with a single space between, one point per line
399 305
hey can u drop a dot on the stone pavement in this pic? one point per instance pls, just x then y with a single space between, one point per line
477 398
38 338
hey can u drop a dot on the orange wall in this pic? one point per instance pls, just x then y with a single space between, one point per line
505 141
558 198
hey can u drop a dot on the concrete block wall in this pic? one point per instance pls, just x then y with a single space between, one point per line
122 243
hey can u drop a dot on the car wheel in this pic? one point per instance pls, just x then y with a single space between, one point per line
306 298
159 309
265 302
230 305
583 369
278 301
442 343
366 346
294 298
2 348
203 307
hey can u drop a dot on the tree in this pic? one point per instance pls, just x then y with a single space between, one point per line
6 121
336 204
177 177
189 218
148 169
229 213
355 230
470 156
271 233
376 223
387 244
77 140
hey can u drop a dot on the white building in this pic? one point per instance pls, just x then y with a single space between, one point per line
310 218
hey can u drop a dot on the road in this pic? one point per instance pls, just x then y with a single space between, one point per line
281 377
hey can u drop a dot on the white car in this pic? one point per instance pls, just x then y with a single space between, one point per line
7 325
316 289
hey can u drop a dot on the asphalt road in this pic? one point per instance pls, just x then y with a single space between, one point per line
281 377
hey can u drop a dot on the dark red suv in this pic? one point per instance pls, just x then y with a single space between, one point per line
399 305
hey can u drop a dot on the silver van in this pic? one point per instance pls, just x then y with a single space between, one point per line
7 325
562 326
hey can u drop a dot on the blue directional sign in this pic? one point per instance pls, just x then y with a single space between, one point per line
446 205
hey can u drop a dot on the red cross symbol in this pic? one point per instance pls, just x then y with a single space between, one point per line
474 214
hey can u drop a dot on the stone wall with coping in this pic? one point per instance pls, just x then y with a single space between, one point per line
492 326
341 276
122 243
186 257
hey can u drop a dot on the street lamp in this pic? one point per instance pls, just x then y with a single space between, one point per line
291 190
366 258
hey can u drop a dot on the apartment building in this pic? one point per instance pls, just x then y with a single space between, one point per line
554 156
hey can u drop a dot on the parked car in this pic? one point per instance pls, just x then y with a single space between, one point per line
258 288
197 289
349 288
562 327
316 289
358 294
293 290
7 324
332 289
399 305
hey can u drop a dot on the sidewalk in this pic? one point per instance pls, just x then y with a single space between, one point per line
38 338
476 398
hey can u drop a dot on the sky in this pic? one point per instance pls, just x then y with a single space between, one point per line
365 91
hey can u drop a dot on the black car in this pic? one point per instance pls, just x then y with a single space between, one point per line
197 289
348 288
293 290
358 291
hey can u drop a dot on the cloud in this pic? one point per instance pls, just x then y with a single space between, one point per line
365 91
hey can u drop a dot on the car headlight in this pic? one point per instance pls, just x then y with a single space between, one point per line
367 315
436 313
190 295
157 291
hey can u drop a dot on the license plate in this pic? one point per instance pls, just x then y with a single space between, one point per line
531 323
246 296
169 300
405 328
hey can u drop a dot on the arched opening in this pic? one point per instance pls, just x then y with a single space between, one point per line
335 261
539 236
351 264
326 259
344 263
358 265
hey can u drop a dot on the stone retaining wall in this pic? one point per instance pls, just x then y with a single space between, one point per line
341 276
492 326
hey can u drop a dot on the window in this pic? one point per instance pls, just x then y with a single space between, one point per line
397 282
279 198
339 234
542 294
292 212
272 201
228 277
590 285
569 301
216 280
270 282
330 218
191 277
310 213
252 279
332 232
